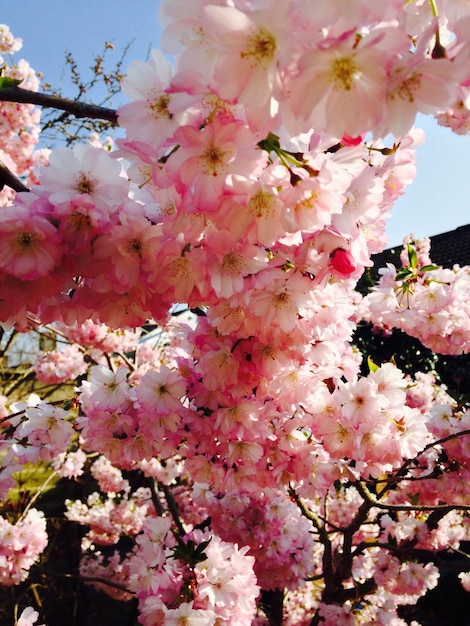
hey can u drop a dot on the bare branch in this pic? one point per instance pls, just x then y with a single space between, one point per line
78 109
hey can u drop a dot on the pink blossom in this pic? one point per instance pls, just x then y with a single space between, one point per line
271 525
231 261
464 578
28 617
149 117
260 184
253 48
47 429
417 85
106 389
426 302
341 84
206 158
185 613
8 43
29 243
112 517
131 248
160 391
84 171
19 123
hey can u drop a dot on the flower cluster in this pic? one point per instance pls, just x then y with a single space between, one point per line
20 546
425 301
366 420
59 366
130 423
19 123
198 579
118 513
271 525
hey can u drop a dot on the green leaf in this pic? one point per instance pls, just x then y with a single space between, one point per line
189 552
429 268
6 81
373 367
403 274
271 143
412 256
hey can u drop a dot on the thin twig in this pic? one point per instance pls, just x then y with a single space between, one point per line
90 579
40 491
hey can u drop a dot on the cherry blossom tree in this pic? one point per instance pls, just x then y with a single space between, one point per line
224 456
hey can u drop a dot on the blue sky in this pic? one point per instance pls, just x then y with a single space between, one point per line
438 200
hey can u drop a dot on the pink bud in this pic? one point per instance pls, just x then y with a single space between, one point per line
342 262
346 140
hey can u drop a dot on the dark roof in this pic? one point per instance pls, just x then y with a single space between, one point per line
447 249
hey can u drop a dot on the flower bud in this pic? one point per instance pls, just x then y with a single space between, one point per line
342 262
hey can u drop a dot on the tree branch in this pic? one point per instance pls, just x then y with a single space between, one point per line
401 473
7 178
272 602
172 508
78 109
373 500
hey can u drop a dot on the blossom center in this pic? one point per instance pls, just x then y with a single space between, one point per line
406 90
179 268
308 202
261 204
213 159
111 385
135 246
25 241
78 221
232 262
342 433
160 107
261 46
84 183
269 353
162 390
50 422
281 300
344 72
